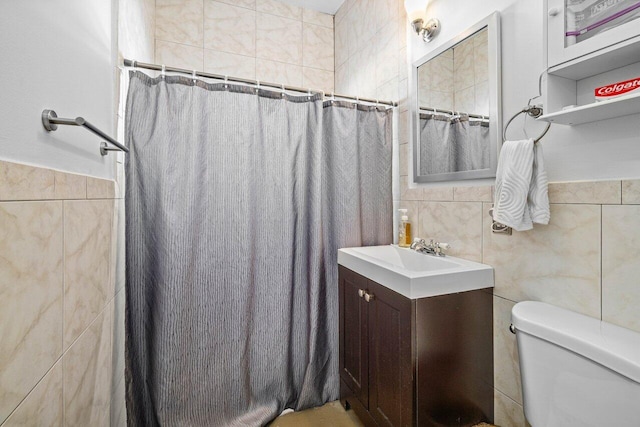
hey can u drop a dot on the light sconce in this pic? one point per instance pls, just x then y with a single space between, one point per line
417 13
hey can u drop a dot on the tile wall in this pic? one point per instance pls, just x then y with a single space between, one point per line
255 39
585 260
61 299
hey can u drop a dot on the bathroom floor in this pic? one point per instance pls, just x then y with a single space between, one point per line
331 414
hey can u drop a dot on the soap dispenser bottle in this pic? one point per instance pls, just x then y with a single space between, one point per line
404 231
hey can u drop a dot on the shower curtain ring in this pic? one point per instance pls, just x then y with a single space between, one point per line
257 86
226 79
283 90
193 75
163 73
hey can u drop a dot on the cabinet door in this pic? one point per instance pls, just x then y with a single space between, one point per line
578 27
354 354
390 357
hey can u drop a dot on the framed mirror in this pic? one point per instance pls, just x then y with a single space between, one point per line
456 107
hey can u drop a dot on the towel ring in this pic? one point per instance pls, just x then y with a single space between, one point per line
534 111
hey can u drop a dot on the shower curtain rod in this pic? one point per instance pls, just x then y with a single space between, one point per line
452 113
156 67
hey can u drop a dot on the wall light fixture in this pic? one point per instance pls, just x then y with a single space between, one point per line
417 13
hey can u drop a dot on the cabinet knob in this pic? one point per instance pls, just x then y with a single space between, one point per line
360 293
368 297
554 11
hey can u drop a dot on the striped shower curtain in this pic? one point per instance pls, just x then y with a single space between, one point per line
237 201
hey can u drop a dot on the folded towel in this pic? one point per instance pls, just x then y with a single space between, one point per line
521 193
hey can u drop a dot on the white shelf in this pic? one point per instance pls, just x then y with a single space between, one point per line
602 110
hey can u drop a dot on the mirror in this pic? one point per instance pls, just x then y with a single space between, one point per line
456 114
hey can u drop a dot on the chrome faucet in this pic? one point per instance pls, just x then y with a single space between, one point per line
431 248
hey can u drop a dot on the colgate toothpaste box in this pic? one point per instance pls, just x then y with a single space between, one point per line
616 90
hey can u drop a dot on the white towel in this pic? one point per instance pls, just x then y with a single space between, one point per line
521 193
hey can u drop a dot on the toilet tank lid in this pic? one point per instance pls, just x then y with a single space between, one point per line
612 346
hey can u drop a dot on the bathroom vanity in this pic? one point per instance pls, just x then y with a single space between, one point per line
416 340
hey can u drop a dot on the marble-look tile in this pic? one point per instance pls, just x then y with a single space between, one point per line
481 58
621 265
456 223
463 65
341 13
442 100
341 43
441 74
631 192
437 194
404 159
388 91
558 263
100 188
386 42
465 100
23 182
87 375
119 236
30 296
473 194
221 28
318 79
360 20
278 72
404 127
318 18
247 4
229 64
43 406
70 186
506 365
507 413
178 55
385 12
87 250
342 79
403 68
180 21
317 47
482 99
596 192
278 8
407 193
363 71
403 95
279 39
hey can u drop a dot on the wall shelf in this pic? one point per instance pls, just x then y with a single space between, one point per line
608 109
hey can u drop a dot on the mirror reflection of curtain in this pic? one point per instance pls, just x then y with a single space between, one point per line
453 144
435 144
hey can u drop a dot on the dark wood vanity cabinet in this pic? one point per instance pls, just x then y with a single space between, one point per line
423 362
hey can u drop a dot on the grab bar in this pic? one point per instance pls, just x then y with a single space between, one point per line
50 121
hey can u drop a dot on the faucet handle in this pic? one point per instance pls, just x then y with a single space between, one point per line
444 246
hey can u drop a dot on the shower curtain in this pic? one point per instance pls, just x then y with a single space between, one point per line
237 201
452 144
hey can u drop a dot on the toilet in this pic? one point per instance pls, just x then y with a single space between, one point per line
576 370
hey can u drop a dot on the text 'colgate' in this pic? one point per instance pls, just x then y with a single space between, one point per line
617 89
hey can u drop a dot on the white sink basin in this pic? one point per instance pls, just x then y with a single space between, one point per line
416 275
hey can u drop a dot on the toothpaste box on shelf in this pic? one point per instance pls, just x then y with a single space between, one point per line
619 89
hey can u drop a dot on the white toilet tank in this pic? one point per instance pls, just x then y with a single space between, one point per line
576 370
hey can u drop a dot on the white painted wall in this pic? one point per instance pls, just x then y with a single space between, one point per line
58 55
597 151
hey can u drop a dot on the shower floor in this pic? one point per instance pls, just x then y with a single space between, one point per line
331 414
